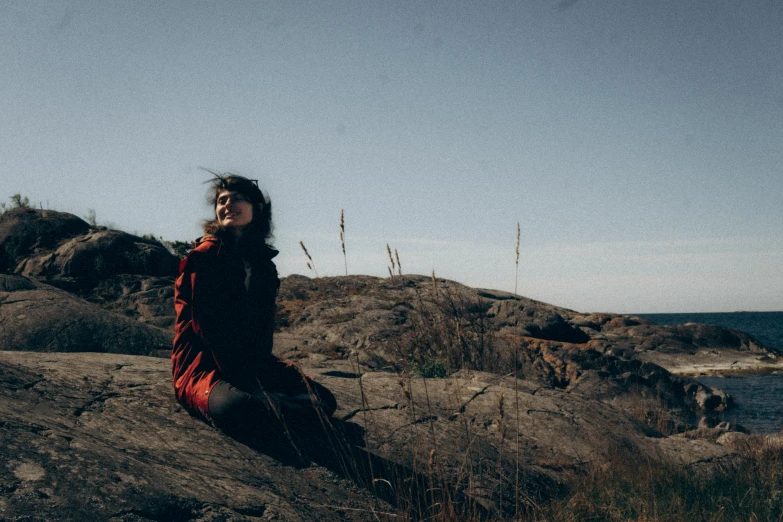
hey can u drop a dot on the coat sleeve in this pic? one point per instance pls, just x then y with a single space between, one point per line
195 302
183 293
194 368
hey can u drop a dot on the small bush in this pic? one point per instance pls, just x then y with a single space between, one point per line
91 217
17 201
100 266
435 368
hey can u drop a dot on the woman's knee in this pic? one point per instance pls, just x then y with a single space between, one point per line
326 398
231 409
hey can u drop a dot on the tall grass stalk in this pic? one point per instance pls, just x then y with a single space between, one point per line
502 431
311 263
516 407
365 407
391 260
516 270
342 238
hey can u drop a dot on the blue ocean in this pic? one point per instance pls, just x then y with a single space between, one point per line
759 399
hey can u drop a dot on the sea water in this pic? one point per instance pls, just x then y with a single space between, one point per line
759 399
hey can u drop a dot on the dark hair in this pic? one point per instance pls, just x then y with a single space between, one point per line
260 229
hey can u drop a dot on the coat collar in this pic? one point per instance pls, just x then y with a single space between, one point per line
219 246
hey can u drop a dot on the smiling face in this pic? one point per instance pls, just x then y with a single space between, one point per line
233 210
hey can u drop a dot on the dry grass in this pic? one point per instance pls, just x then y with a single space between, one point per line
516 270
392 266
630 488
342 239
310 263
654 413
634 489
449 332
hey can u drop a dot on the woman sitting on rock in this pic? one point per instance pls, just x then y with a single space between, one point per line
224 297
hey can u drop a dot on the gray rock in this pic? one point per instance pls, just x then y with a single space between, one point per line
38 317
99 254
118 298
24 231
711 399
147 299
54 245
100 437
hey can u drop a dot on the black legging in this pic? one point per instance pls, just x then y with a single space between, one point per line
238 412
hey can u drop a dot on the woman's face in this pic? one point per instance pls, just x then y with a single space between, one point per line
233 210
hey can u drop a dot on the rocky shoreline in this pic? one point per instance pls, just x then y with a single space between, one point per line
433 378
724 362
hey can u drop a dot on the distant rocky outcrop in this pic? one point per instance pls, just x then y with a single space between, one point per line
66 252
25 231
396 323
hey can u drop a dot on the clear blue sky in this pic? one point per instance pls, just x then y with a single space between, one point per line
639 144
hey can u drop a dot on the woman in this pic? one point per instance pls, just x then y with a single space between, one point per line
224 297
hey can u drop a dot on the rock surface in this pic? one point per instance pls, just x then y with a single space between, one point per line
41 318
89 436
100 437
371 314
435 327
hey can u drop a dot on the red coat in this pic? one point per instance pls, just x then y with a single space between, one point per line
223 329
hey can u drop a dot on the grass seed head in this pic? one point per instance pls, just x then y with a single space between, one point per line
342 239
311 263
